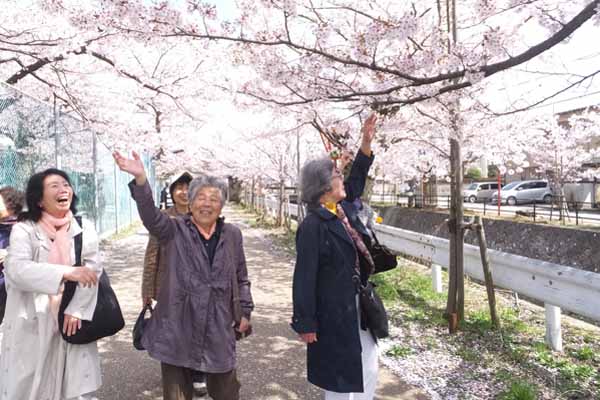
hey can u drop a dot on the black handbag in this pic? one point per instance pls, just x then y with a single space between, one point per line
373 311
140 326
107 319
383 259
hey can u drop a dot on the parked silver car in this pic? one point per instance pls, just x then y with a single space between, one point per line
521 192
479 191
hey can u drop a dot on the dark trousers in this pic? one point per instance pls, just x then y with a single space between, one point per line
177 384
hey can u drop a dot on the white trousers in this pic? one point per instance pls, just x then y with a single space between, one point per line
370 368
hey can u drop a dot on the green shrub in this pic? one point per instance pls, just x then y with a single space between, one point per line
473 173
399 351
519 390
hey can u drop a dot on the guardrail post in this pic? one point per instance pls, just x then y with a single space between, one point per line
436 277
553 328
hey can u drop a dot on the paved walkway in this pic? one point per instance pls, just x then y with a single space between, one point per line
271 361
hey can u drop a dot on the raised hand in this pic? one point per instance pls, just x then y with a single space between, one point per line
133 166
368 133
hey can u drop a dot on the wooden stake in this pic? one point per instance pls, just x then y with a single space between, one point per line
487 272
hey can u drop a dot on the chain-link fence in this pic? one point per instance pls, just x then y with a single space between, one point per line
35 136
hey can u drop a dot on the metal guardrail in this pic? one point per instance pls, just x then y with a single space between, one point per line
570 288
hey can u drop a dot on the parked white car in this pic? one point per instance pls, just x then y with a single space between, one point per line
522 192
479 191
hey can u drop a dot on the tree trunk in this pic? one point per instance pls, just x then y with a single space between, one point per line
298 194
253 195
281 203
455 308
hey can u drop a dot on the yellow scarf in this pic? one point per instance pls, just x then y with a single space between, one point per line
331 207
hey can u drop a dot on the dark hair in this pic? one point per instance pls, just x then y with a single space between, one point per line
13 199
35 193
184 179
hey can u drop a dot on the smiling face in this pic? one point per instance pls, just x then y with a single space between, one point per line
206 206
3 210
57 197
180 194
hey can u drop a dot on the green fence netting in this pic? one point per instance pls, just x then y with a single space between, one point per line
34 136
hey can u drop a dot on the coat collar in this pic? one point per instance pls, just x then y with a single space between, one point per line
333 223
323 213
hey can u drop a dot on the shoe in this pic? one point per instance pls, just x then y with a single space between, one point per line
200 389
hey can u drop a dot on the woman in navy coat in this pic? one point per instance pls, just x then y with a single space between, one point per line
342 357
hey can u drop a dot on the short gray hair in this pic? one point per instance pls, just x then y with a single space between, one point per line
204 181
315 180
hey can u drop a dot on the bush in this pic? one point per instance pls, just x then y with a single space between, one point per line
473 173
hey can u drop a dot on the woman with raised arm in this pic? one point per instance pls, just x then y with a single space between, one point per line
331 245
35 361
193 327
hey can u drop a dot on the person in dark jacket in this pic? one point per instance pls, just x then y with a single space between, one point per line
331 245
11 204
163 197
193 325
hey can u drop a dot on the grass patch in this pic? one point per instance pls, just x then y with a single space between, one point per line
399 351
413 293
586 353
519 390
126 232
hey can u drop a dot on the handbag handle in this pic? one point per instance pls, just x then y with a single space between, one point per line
148 307
78 241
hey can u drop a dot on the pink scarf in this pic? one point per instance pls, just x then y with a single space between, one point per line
57 230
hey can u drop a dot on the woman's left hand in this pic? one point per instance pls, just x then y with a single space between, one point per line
244 324
71 325
368 134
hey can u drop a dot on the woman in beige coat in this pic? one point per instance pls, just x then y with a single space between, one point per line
36 363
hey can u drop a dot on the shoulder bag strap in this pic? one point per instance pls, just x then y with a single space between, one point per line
355 271
78 239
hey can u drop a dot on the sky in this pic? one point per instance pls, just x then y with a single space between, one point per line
226 9
548 73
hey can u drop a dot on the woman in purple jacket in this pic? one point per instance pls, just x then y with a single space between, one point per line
193 326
